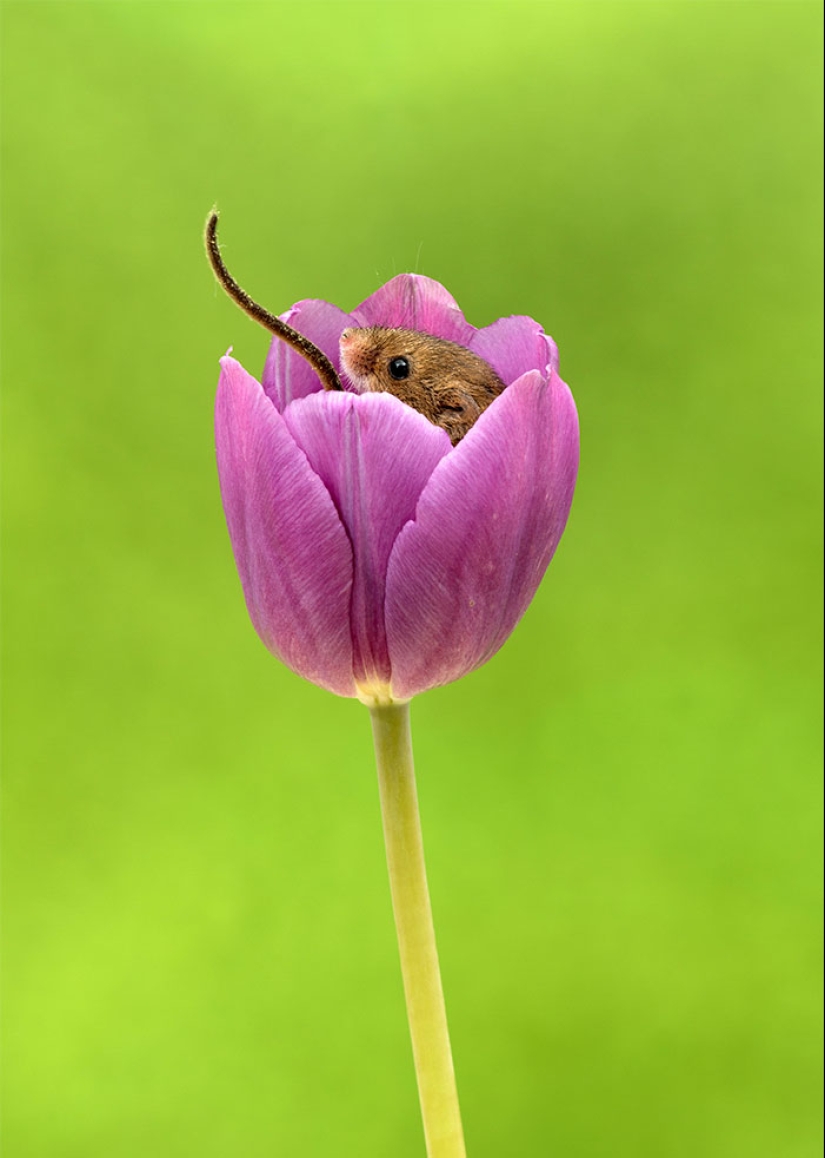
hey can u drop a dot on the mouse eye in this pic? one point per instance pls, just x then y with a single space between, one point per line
399 368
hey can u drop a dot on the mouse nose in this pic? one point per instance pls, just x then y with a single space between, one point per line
346 335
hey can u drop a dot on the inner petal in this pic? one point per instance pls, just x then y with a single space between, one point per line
515 345
287 374
374 455
413 302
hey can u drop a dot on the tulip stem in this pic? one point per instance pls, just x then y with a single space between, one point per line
416 935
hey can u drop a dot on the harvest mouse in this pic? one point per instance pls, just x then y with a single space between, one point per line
445 382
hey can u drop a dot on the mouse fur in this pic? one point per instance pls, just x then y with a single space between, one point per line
446 383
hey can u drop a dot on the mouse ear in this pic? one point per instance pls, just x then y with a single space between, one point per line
457 410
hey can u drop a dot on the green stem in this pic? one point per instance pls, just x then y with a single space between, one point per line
416 935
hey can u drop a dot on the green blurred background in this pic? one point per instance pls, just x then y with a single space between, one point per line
621 811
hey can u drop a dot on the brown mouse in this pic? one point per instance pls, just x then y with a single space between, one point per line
445 382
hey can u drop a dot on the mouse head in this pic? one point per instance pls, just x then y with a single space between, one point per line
445 382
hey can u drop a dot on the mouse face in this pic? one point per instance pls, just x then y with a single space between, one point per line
445 382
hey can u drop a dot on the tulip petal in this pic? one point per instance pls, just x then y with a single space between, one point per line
292 553
463 572
515 345
375 456
287 375
413 302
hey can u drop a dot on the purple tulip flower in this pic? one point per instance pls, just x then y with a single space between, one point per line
377 559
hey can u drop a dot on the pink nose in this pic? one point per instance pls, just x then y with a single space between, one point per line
346 335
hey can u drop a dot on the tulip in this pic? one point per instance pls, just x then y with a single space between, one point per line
378 560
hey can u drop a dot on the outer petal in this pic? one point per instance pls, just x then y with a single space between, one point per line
462 574
413 302
287 375
374 455
515 345
292 553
